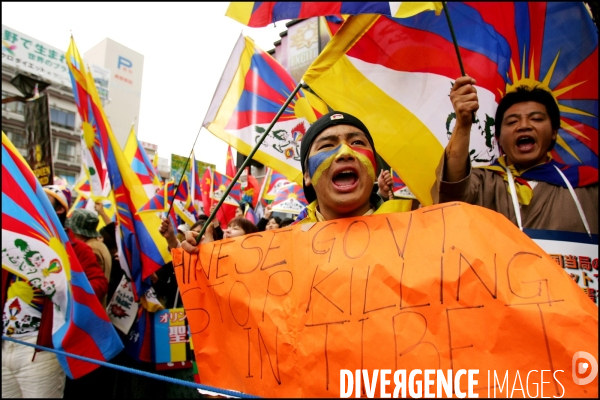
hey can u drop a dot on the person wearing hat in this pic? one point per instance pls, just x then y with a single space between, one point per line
547 194
83 224
339 163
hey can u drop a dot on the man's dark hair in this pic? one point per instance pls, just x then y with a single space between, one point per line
247 226
523 94
277 219
110 240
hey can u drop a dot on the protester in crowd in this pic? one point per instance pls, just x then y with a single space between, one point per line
83 224
25 373
238 226
285 222
239 212
527 123
338 160
99 207
274 223
267 222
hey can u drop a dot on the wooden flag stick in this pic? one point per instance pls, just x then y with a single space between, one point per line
248 159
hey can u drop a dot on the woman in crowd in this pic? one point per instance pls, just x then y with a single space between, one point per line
268 222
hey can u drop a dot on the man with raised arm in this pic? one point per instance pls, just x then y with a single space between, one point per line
547 194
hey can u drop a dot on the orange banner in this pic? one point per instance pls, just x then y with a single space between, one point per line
449 287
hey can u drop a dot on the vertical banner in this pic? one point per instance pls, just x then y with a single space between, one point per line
172 344
39 139
576 253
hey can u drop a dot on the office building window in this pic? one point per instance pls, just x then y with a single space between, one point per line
18 139
15 106
66 151
62 118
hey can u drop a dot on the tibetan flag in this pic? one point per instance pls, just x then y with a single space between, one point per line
161 202
395 75
93 160
252 90
31 230
251 191
220 184
141 247
272 182
256 14
196 187
290 199
399 188
226 212
250 215
140 163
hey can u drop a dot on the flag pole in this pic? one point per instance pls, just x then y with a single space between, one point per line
455 42
182 175
248 159
462 68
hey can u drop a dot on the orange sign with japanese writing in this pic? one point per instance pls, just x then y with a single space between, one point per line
453 286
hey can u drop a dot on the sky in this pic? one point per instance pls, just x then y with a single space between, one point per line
185 48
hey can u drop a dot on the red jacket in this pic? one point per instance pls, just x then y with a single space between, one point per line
89 264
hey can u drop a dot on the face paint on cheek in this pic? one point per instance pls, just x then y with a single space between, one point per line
319 162
367 158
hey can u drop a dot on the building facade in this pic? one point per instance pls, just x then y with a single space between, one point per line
25 55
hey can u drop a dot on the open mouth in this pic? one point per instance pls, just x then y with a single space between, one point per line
345 179
525 143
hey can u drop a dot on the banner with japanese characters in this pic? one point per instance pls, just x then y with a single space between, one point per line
171 339
31 55
39 139
575 253
122 308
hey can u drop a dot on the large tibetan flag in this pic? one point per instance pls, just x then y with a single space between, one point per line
31 230
290 199
140 163
263 13
93 160
141 247
396 74
252 90
272 181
